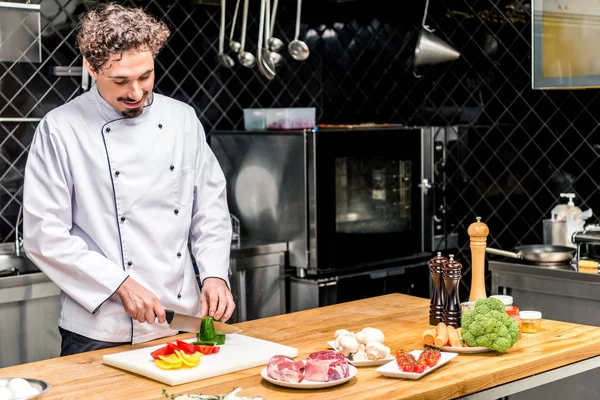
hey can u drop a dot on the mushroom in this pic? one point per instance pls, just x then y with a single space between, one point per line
377 351
361 354
368 335
343 332
346 345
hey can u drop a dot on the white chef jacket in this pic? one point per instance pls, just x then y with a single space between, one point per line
107 197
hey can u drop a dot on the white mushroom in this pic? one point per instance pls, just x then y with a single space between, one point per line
377 351
368 335
346 345
361 354
343 332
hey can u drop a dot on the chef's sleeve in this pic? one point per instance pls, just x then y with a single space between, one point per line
85 275
210 233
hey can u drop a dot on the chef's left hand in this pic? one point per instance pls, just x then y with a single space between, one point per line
217 300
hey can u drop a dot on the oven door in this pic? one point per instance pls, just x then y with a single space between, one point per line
366 200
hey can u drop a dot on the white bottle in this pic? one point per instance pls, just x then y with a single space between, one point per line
574 222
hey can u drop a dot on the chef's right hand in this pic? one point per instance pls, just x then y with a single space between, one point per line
140 303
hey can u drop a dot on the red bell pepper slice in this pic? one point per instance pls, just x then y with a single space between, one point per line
172 347
207 349
185 347
163 351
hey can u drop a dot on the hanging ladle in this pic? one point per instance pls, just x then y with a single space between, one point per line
246 59
265 64
233 45
297 48
274 57
274 43
224 59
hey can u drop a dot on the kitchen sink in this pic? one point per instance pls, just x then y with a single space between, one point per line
11 264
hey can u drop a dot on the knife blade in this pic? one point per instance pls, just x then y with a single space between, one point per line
187 323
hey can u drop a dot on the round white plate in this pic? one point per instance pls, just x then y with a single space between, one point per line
367 363
461 350
309 384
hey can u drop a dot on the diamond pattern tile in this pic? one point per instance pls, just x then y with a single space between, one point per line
517 148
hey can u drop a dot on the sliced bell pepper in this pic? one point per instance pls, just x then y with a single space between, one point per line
163 351
185 347
164 365
172 359
207 331
189 360
172 346
205 349
220 338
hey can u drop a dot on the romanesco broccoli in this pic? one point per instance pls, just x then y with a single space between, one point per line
488 325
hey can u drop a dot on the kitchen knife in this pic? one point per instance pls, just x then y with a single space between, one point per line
187 323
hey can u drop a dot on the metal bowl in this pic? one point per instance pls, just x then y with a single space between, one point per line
41 386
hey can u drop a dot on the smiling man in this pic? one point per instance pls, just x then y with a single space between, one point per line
118 182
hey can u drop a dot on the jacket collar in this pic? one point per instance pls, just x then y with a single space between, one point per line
109 113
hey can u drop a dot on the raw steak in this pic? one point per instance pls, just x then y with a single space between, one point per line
285 369
325 366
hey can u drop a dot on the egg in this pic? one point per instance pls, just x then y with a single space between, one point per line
20 388
5 394
16 384
27 392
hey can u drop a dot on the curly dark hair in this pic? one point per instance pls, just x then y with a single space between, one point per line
116 29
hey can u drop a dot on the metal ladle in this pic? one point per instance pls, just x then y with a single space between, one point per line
297 48
233 45
246 59
274 43
265 64
274 57
224 59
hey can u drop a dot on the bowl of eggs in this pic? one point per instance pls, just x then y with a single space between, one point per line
22 388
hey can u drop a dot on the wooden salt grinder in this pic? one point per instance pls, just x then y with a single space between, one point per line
478 232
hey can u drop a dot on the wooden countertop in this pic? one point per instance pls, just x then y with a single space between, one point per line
402 319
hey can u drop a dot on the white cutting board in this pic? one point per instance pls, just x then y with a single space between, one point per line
239 352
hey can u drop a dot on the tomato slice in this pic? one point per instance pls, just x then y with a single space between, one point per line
163 351
186 347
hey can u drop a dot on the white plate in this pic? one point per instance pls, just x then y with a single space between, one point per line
462 350
392 370
367 363
309 384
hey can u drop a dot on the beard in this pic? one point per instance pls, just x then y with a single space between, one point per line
134 112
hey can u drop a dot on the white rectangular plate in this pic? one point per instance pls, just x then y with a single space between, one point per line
392 370
364 363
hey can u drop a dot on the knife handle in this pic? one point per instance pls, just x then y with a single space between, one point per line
170 314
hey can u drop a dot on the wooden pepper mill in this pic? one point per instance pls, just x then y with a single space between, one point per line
451 274
478 232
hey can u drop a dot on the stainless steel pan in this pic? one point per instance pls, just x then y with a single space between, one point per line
538 253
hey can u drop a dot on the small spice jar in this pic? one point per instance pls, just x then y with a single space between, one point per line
531 321
513 312
506 300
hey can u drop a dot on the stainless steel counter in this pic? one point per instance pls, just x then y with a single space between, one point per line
254 247
29 307
257 275
559 294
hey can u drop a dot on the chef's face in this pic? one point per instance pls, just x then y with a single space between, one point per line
126 80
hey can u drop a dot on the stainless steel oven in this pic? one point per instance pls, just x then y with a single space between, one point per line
341 198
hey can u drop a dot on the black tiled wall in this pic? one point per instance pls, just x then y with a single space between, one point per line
519 149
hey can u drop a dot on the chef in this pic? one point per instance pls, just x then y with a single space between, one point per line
118 182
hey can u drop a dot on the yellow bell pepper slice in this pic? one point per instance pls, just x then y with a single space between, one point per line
190 360
172 359
164 365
